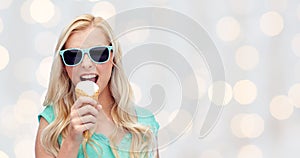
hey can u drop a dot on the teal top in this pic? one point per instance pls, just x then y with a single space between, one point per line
144 116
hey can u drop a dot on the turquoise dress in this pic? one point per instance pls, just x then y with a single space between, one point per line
144 116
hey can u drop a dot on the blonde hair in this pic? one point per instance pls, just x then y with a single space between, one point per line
61 95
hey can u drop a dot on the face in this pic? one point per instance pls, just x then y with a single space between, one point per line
87 69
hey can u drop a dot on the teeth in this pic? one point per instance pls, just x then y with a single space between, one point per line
88 76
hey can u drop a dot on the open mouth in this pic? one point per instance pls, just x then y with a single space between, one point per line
93 78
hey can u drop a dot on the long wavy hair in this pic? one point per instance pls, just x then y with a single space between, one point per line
61 96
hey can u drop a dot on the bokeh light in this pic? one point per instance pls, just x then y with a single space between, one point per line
295 44
43 72
25 110
4 57
24 148
44 43
252 125
244 92
294 95
27 107
271 23
247 125
247 57
228 29
281 107
3 154
104 9
1 25
220 93
4 4
25 12
42 10
55 18
250 151
235 125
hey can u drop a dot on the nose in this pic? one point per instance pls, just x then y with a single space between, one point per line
86 62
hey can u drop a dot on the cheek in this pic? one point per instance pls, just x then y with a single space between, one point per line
70 72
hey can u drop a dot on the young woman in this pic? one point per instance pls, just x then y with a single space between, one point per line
87 50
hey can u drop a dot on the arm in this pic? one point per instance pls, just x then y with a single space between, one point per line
78 124
67 150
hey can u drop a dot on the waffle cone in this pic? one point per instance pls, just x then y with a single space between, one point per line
80 92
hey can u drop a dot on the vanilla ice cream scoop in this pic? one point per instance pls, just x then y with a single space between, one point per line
88 89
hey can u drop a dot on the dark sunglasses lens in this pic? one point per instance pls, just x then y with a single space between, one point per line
99 54
72 57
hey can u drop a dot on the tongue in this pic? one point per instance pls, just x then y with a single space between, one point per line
90 79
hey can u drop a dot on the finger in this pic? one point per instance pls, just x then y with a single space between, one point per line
84 127
84 100
87 110
88 119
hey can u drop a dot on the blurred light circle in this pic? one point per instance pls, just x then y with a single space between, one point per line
44 43
137 92
4 57
252 125
296 45
294 95
54 20
31 95
24 110
271 23
3 154
104 9
228 29
1 25
281 107
25 12
235 125
4 4
244 92
250 151
43 71
42 10
24 148
220 93
247 57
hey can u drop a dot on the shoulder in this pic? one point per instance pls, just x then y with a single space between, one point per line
146 117
47 114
